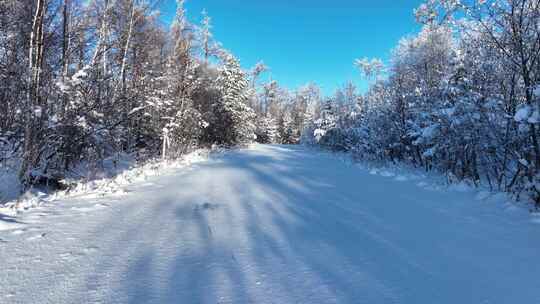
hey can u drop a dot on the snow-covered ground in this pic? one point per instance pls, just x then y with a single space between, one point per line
110 178
272 224
9 182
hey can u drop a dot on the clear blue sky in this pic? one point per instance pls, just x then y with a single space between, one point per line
306 40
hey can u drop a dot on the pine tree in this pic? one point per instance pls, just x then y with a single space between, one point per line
236 117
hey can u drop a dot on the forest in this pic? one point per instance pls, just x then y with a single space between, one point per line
147 156
82 81
461 97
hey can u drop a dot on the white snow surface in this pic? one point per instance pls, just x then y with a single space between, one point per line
9 181
273 224
522 114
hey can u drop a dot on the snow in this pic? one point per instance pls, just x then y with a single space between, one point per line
8 223
135 110
319 133
535 118
536 91
273 224
9 182
449 111
80 74
429 152
430 131
62 86
522 114
115 173
38 111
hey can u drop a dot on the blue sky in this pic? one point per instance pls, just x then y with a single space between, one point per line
306 40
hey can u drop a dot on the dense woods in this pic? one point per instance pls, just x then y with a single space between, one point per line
461 97
85 80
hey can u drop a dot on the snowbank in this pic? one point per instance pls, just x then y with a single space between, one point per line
9 183
114 174
434 181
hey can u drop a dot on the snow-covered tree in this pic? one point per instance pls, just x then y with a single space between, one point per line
460 97
235 118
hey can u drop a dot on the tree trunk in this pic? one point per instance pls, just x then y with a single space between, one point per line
126 47
35 60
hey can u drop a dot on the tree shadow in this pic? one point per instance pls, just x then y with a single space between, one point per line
9 219
273 227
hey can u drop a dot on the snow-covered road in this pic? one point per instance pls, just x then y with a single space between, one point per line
272 224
